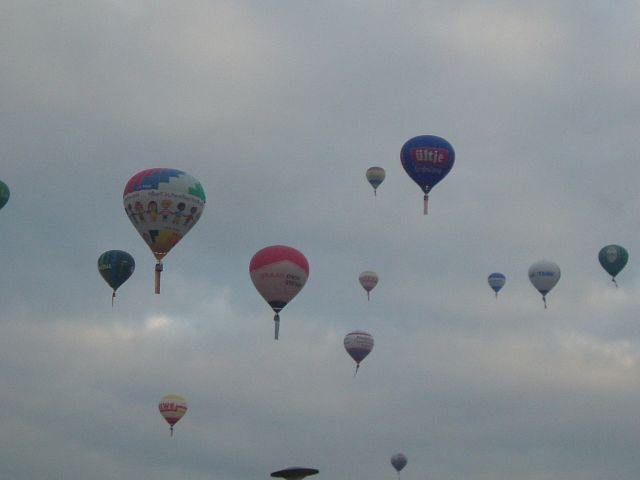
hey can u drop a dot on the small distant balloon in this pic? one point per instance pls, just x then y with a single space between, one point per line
399 461
496 282
368 280
358 345
115 266
278 272
172 408
375 176
613 258
544 275
4 194
427 159
163 204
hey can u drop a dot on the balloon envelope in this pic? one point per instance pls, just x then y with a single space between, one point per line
399 461
375 176
172 408
496 281
294 473
4 194
544 275
368 280
358 345
613 258
116 266
427 159
278 272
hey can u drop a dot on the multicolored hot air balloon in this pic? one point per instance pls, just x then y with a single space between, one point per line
116 267
399 461
544 275
375 176
172 408
4 194
163 204
496 282
278 273
368 280
427 159
613 258
358 345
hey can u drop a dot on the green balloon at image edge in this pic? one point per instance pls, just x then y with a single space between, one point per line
4 194
613 258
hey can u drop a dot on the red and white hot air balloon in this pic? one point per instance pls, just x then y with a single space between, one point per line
358 345
368 280
278 272
172 408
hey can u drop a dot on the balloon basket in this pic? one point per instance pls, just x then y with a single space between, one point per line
276 319
158 272
426 204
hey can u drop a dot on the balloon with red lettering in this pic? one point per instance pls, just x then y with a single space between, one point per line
172 408
115 266
358 345
399 461
368 280
375 176
427 159
613 258
163 204
544 275
496 282
278 272
4 194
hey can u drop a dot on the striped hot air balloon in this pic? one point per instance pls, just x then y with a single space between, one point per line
358 345
172 408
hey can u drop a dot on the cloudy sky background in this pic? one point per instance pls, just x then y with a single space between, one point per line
278 108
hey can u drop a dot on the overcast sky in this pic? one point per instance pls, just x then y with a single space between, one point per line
278 108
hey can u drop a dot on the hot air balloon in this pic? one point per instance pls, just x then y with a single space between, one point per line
375 176
427 159
368 280
358 345
613 258
496 282
116 267
163 204
4 194
278 272
172 408
294 473
544 275
399 461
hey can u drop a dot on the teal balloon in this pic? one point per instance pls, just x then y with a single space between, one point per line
613 258
116 267
4 194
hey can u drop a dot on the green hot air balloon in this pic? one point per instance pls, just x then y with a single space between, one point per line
116 267
4 194
613 258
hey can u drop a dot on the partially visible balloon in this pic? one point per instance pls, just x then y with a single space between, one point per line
116 267
496 282
278 272
427 159
544 275
375 176
358 345
399 461
4 194
295 473
368 280
172 408
613 258
163 204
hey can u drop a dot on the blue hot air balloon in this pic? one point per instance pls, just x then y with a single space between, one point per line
496 281
427 159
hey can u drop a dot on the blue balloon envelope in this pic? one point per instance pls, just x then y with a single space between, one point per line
427 159
496 282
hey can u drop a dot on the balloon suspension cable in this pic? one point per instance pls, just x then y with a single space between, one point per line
113 295
613 279
276 319
426 203
368 296
398 475
374 193
496 295
544 299
158 272
171 430
356 372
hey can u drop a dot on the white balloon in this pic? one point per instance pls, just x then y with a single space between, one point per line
544 275
368 280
